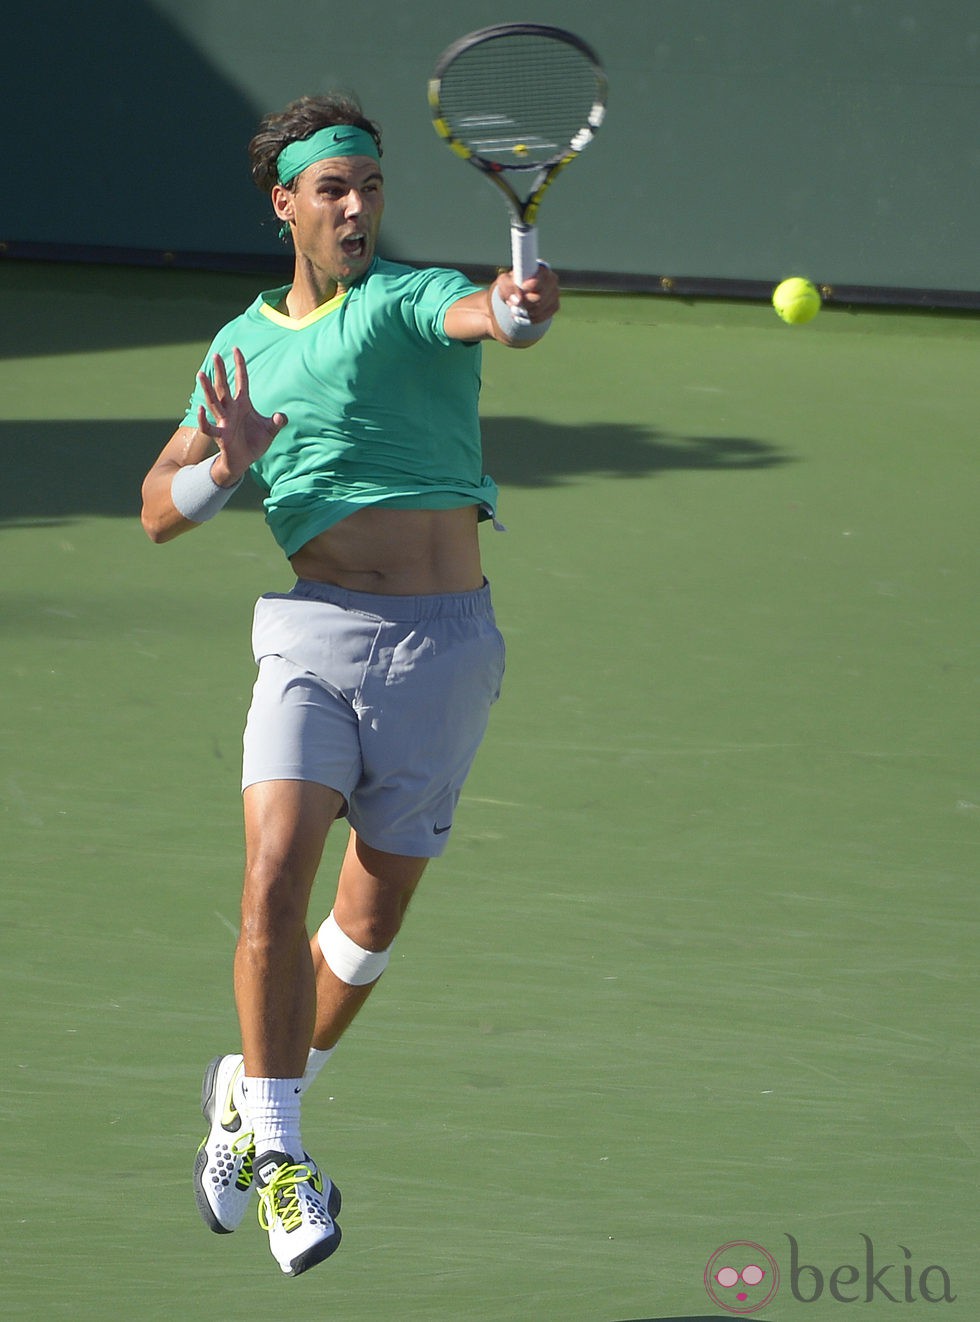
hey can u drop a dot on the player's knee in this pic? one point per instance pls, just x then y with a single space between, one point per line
274 904
373 931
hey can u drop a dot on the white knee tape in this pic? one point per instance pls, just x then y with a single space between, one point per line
350 962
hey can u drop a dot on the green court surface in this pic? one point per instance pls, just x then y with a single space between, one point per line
699 966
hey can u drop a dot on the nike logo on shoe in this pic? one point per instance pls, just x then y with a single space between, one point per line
230 1116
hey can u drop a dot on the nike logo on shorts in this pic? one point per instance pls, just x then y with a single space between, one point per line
441 830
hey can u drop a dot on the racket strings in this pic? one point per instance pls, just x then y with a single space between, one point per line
519 102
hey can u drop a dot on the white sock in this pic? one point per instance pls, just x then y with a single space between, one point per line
315 1062
272 1107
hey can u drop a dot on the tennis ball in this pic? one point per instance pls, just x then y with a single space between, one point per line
796 300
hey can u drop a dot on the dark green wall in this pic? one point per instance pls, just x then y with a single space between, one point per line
746 139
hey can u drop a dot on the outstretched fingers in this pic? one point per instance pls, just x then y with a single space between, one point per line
220 375
228 416
241 374
219 391
215 392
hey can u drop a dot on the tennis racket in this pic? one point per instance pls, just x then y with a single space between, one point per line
519 101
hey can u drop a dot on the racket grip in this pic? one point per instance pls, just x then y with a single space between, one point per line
524 251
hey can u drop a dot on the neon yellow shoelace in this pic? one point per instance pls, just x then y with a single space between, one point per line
244 1147
279 1199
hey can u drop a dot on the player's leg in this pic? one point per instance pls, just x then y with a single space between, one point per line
300 737
286 824
350 953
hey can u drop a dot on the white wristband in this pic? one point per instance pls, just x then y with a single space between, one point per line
195 493
513 321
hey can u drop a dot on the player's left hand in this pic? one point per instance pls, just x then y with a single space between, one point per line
539 296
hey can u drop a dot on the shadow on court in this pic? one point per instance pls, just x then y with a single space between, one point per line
62 470
688 1317
525 452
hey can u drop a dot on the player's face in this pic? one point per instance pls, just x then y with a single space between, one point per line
336 213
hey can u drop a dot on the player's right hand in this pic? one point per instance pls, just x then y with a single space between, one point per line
241 434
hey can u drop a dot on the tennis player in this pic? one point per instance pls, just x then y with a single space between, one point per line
350 395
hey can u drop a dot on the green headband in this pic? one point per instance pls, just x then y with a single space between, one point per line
336 140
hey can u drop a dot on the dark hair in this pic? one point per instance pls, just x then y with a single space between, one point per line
299 120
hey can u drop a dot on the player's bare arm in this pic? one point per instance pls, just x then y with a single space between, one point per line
161 519
472 318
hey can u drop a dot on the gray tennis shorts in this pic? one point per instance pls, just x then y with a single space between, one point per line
385 699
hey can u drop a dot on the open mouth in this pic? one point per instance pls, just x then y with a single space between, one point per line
354 246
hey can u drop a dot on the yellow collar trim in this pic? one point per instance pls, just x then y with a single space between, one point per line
297 324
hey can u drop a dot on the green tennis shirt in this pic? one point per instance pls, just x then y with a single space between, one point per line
382 405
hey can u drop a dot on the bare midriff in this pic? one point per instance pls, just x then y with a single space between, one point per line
397 552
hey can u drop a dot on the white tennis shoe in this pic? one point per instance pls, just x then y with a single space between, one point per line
299 1209
223 1165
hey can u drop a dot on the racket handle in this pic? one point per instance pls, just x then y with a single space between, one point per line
524 251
